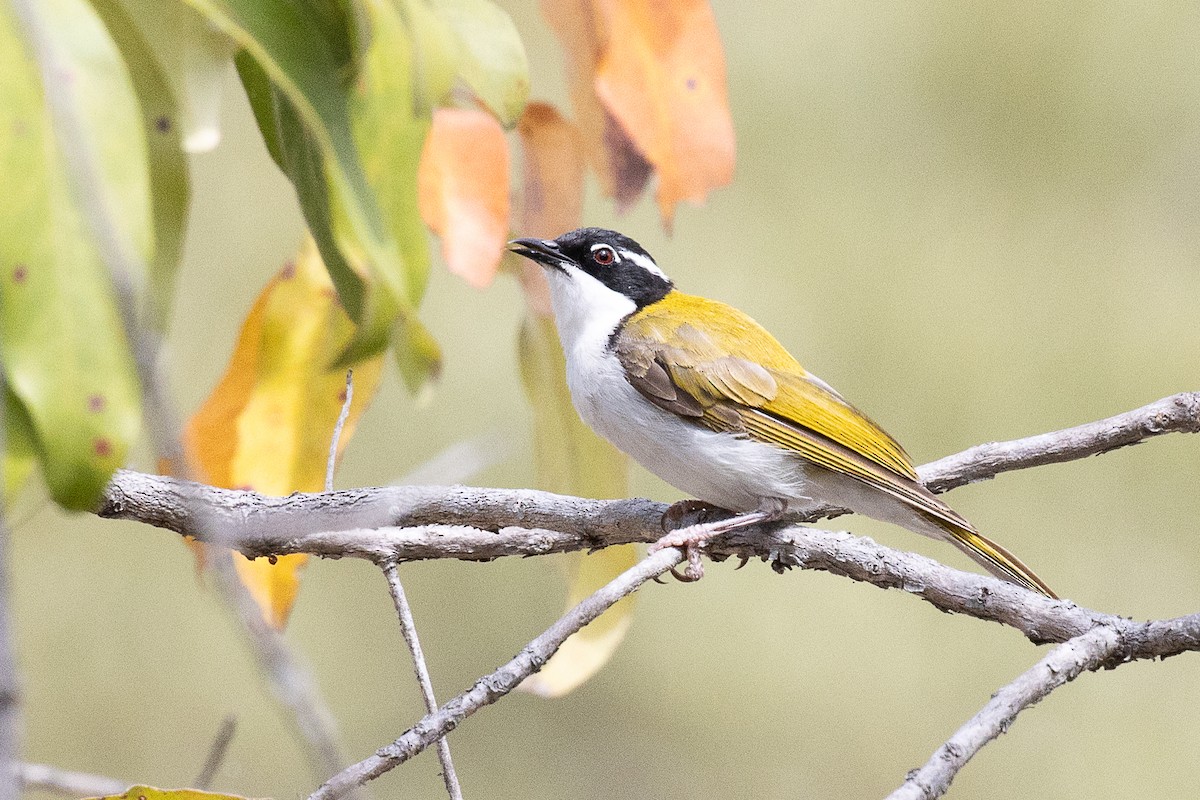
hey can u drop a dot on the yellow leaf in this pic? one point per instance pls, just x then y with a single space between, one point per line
463 191
585 653
150 793
571 459
268 423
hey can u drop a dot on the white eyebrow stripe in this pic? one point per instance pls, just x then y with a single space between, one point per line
645 262
596 247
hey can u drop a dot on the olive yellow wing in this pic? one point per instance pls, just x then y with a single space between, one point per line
684 367
676 353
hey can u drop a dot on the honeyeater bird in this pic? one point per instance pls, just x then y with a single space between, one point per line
704 397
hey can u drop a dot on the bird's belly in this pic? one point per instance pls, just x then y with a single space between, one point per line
724 469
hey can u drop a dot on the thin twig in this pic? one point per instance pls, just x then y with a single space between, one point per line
408 627
491 688
1110 642
66 782
331 462
216 753
1103 646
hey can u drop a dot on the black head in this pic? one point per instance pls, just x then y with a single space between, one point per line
612 258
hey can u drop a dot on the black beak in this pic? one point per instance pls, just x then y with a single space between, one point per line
541 251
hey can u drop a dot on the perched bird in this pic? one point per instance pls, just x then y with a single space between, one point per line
704 397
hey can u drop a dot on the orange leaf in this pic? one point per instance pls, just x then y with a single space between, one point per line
463 191
648 86
622 170
663 77
553 188
268 423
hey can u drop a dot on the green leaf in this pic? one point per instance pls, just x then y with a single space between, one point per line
435 55
193 58
261 94
61 341
162 125
492 60
390 134
311 53
20 455
298 154
571 459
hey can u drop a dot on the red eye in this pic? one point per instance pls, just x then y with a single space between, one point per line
603 256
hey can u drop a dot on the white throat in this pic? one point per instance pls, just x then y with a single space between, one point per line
585 310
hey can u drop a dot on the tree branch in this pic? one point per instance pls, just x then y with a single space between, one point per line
527 522
491 688
1110 643
1179 413
407 523
418 522
1103 646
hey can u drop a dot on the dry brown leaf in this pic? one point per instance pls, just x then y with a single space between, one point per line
648 87
463 191
552 188
622 170
662 76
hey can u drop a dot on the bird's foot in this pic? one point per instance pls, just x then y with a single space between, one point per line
688 513
693 537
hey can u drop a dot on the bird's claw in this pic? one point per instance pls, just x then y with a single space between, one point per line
694 570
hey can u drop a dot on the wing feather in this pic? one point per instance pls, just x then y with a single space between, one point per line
684 368
656 342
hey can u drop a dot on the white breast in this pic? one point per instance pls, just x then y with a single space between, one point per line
721 468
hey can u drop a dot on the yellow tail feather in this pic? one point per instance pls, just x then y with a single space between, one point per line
994 558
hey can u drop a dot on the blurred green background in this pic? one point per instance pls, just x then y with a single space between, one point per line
979 220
